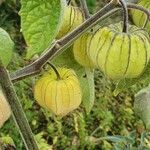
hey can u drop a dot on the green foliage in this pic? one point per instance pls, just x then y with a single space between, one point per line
40 23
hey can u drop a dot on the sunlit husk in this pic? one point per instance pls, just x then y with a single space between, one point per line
120 55
60 96
72 18
80 51
140 17
5 111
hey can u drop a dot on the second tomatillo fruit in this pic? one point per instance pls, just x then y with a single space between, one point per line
80 50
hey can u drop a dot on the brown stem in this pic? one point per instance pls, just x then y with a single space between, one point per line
17 111
61 45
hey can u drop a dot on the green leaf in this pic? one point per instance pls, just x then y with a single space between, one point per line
86 77
40 21
126 83
6 47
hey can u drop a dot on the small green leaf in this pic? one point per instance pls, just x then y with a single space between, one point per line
40 23
6 47
86 77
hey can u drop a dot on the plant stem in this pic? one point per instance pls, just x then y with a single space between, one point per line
63 43
60 45
17 111
85 9
125 15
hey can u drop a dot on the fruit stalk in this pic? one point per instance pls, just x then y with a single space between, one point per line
55 70
85 9
17 111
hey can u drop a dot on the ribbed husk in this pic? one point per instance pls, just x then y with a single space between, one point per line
80 51
60 96
72 18
120 55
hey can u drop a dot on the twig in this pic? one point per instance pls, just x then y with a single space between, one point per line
60 45
85 9
17 111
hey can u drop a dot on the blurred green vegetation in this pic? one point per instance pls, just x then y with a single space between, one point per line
77 131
